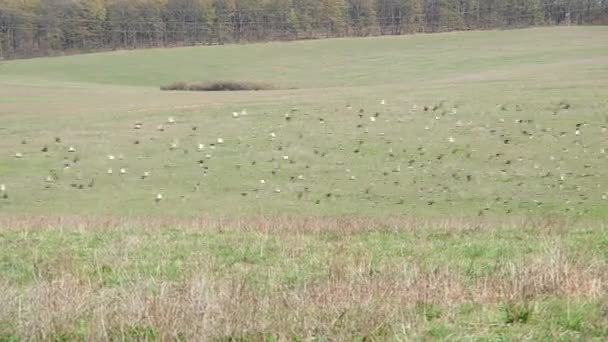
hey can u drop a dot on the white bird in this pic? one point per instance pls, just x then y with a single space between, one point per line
49 179
174 145
137 125
277 190
353 177
159 197
383 102
161 127
208 156
285 157
235 115
300 177
111 157
145 175
262 181
71 149
123 171
273 135
170 120
110 171
451 139
18 155
220 140
244 112
577 132
201 147
372 119
2 188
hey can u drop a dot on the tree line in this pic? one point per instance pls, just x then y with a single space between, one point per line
42 27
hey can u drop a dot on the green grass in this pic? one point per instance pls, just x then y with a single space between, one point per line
479 83
479 218
326 63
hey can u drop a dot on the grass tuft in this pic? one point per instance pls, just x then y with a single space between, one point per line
512 313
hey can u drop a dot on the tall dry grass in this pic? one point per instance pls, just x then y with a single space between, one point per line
356 299
351 303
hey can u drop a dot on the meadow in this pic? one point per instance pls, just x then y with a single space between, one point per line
448 186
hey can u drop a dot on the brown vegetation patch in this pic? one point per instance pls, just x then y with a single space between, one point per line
226 85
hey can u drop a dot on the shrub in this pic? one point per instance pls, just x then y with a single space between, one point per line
217 86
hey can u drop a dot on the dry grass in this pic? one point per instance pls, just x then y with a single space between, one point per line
225 85
352 303
358 296
290 224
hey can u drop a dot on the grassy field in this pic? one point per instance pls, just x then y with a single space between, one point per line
448 186
510 102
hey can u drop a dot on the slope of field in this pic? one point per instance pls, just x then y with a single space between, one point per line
327 63
429 187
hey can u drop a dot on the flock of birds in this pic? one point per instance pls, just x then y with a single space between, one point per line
424 155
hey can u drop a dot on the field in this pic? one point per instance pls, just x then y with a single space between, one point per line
429 187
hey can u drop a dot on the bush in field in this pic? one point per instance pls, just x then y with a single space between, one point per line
217 86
